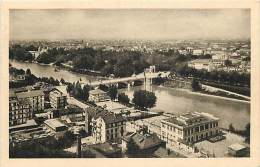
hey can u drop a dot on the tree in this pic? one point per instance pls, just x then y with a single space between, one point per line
70 88
195 85
123 98
28 72
62 81
144 99
78 92
231 128
112 91
86 89
228 63
247 133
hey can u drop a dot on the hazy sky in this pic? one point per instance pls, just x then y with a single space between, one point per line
130 24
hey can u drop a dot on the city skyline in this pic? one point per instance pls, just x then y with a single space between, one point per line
139 24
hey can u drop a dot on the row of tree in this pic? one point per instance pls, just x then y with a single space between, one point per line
231 78
75 89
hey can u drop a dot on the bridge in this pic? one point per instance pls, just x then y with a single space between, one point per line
141 76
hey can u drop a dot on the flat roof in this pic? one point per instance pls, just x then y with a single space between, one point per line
54 123
186 119
237 147
96 91
30 94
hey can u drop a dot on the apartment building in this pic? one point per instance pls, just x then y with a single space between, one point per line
35 97
107 126
58 100
19 111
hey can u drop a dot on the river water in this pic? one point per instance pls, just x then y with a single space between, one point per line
168 99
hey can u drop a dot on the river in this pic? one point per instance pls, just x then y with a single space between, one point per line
168 99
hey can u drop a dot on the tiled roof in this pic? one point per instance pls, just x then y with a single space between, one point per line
109 117
146 141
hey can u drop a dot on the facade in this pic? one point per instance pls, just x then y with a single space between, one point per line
36 99
197 52
57 99
200 64
98 95
19 111
107 126
189 128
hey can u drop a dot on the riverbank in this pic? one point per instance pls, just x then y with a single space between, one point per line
208 95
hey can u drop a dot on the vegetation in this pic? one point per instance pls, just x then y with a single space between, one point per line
245 132
195 85
50 149
144 99
231 78
30 79
107 63
20 53
78 92
123 98
112 92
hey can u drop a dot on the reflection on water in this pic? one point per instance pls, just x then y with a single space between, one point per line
169 100
177 101
48 71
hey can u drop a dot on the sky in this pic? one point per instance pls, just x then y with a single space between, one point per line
28 24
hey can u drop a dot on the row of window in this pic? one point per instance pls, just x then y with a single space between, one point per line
20 116
115 124
115 130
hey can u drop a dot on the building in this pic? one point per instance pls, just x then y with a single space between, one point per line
36 99
98 95
58 100
56 126
237 150
189 128
107 126
19 111
142 143
200 64
197 52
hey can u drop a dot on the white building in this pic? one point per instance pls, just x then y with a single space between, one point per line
190 128
107 126
197 52
58 100
98 95
200 64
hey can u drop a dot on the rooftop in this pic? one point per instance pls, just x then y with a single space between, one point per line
30 94
96 91
191 118
54 123
109 117
144 141
237 147
201 61
56 92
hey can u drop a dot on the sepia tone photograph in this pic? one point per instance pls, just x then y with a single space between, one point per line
129 83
